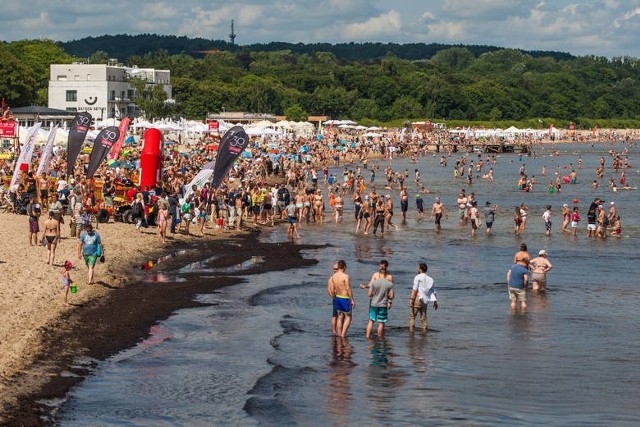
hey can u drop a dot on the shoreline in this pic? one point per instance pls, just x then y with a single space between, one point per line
109 318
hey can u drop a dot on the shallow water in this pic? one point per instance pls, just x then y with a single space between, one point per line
262 354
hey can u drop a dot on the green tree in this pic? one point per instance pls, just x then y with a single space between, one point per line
406 107
364 108
99 57
17 83
149 98
37 56
296 113
456 58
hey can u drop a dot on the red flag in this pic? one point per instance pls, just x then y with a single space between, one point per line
115 150
330 127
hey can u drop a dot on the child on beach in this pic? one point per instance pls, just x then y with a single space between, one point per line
66 280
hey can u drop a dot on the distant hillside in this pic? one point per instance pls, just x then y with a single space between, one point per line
123 46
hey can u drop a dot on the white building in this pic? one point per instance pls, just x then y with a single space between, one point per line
101 89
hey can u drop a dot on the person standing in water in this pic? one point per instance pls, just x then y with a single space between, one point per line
422 293
381 293
539 267
517 283
339 289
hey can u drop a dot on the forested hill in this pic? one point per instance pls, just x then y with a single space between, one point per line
123 46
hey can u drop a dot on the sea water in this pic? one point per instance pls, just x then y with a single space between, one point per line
262 353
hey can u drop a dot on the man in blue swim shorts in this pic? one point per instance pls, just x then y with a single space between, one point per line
339 289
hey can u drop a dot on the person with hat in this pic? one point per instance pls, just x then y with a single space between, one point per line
612 212
540 266
90 248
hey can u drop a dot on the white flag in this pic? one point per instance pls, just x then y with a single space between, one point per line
43 166
26 153
201 178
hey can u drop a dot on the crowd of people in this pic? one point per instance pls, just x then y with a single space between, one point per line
284 181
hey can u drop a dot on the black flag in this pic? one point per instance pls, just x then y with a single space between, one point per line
231 145
77 133
101 147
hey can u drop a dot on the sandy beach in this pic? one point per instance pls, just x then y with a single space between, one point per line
40 335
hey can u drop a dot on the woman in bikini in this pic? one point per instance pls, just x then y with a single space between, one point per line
51 236
318 208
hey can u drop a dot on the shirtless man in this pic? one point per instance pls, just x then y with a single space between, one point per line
339 289
539 267
437 211
404 203
462 207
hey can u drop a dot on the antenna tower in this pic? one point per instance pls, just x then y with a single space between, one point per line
232 36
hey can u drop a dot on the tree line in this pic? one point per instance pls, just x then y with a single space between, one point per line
453 83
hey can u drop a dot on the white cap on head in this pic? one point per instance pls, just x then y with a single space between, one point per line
613 203
542 252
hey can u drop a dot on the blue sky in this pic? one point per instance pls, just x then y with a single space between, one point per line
582 27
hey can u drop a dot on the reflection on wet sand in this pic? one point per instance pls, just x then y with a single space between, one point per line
338 395
417 351
384 379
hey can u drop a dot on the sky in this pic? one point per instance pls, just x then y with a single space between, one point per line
581 27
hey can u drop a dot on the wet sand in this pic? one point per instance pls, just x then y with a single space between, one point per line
41 339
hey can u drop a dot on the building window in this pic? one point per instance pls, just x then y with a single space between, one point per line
73 109
72 95
62 78
113 96
130 94
88 76
76 77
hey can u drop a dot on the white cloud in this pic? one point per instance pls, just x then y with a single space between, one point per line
601 27
161 11
385 24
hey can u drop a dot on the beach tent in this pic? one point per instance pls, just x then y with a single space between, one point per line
283 124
